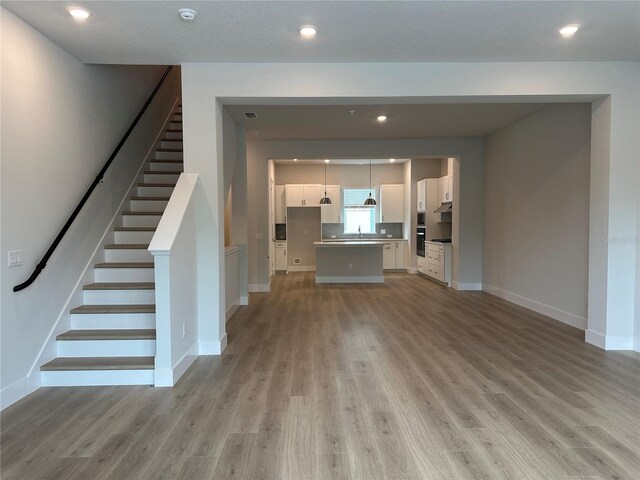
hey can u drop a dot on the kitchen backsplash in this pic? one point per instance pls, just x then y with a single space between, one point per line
393 229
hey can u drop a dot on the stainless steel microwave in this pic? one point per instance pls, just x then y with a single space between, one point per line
422 219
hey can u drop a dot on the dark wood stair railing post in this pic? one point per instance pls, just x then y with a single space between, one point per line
43 262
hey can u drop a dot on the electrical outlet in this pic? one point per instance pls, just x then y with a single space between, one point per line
389 236
383 231
350 266
259 236
333 236
15 258
184 330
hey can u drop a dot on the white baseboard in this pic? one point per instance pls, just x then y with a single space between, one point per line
14 392
213 348
257 288
412 271
467 287
608 342
301 268
548 310
230 311
595 338
165 377
331 279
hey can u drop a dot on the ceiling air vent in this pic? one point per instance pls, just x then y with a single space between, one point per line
250 115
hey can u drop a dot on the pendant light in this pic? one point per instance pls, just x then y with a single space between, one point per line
325 200
370 201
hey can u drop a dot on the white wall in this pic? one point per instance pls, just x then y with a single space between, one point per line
615 155
468 249
537 212
60 121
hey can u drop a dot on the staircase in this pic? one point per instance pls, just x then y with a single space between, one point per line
112 340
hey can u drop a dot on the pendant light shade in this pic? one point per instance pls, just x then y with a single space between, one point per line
370 200
325 200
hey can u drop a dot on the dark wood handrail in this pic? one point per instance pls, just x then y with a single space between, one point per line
43 262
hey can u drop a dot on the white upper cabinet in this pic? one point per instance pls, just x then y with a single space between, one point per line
332 213
392 203
312 195
295 195
281 204
299 195
445 189
421 201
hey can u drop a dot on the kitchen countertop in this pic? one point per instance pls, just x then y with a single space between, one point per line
360 240
350 243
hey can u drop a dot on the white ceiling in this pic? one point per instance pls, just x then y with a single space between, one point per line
150 32
286 122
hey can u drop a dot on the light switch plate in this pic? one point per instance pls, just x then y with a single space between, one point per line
15 258
383 231
259 236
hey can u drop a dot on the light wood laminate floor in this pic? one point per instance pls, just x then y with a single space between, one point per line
406 380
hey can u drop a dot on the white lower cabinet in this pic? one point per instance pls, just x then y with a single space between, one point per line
281 256
422 265
393 255
437 262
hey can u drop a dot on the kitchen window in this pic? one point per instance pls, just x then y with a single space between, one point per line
356 214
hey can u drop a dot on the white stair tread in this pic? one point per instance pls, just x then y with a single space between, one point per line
91 309
108 334
120 286
99 363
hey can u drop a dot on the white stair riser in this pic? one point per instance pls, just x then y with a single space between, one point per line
119 297
148 205
102 321
154 191
161 178
133 237
128 255
125 275
176 166
171 143
168 155
173 135
70 378
141 220
175 126
106 348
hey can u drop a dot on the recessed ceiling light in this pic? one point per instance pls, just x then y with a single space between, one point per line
79 13
187 14
308 31
327 161
382 118
570 30
392 160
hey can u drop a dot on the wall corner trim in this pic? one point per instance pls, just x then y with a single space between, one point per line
258 288
213 348
472 287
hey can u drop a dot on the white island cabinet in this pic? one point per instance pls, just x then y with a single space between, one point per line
349 262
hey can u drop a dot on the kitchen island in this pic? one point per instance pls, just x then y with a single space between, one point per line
349 261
